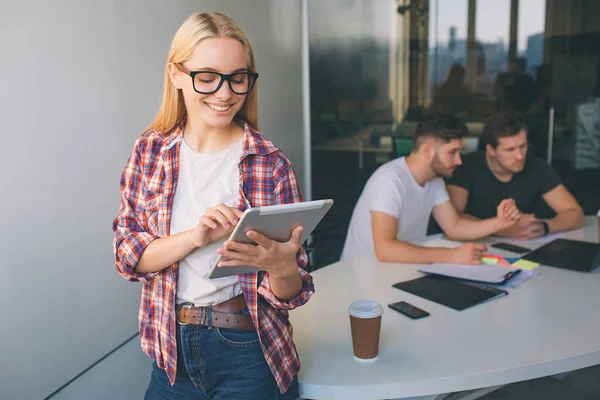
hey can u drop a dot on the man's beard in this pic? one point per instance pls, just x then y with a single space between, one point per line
507 168
439 169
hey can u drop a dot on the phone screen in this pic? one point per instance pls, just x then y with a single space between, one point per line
511 247
408 309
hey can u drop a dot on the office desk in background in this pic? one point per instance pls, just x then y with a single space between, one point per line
360 141
547 326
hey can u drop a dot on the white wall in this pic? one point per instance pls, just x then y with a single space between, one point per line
79 81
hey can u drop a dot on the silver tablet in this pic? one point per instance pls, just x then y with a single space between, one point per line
275 222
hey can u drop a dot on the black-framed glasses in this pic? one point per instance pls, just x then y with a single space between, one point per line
209 82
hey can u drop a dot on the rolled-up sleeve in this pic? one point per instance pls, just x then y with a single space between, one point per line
306 292
129 226
287 190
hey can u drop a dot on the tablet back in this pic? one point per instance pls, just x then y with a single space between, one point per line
277 223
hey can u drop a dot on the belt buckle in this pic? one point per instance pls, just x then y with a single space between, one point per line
184 305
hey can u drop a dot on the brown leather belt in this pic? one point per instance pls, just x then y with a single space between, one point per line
219 316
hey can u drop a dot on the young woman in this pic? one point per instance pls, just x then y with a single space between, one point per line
187 181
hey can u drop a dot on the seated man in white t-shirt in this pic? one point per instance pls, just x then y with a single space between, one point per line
394 207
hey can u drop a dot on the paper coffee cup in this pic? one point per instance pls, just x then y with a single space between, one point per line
365 325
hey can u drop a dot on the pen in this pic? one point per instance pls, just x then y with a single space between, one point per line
510 274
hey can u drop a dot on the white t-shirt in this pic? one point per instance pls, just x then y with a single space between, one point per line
393 190
205 180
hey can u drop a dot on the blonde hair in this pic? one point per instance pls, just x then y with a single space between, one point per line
197 27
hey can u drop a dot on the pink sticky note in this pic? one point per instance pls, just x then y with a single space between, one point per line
492 256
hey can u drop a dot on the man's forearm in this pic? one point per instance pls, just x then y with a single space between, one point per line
464 215
402 252
566 220
472 229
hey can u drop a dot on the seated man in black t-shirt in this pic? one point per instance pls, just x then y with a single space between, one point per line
503 171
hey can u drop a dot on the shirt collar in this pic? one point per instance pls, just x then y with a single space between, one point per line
254 142
174 137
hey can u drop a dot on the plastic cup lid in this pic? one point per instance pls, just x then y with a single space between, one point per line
365 309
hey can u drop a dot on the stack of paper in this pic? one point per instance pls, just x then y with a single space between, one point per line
527 268
519 279
478 273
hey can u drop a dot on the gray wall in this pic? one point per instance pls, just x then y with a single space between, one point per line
79 81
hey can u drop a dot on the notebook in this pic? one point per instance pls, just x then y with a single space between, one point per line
568 254
449 292
488 273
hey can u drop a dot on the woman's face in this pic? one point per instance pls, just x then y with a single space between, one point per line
223 55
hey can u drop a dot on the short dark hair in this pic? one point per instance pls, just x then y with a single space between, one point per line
443 127
503 124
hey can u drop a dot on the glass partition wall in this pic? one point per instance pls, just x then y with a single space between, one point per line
376 66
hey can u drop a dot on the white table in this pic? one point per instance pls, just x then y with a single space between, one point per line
549 325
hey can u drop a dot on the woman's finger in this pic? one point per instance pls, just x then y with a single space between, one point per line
204 220
296 239
219 217
240 247
238 213
262 240
227 213
232 263
234 255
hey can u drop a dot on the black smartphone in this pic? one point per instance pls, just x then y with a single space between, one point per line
408 309
511 247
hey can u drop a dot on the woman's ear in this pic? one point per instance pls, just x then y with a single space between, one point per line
174 75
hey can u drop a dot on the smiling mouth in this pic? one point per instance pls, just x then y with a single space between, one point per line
218 108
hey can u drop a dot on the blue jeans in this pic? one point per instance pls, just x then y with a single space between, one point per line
218 363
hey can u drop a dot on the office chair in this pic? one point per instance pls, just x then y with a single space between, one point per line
402 146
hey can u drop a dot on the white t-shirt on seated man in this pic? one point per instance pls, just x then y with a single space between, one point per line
398 199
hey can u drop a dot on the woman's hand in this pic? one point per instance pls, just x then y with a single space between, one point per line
215 224
276 258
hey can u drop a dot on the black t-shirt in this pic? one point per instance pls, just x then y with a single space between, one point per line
486 191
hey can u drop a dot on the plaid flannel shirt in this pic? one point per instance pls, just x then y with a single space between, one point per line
148 186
